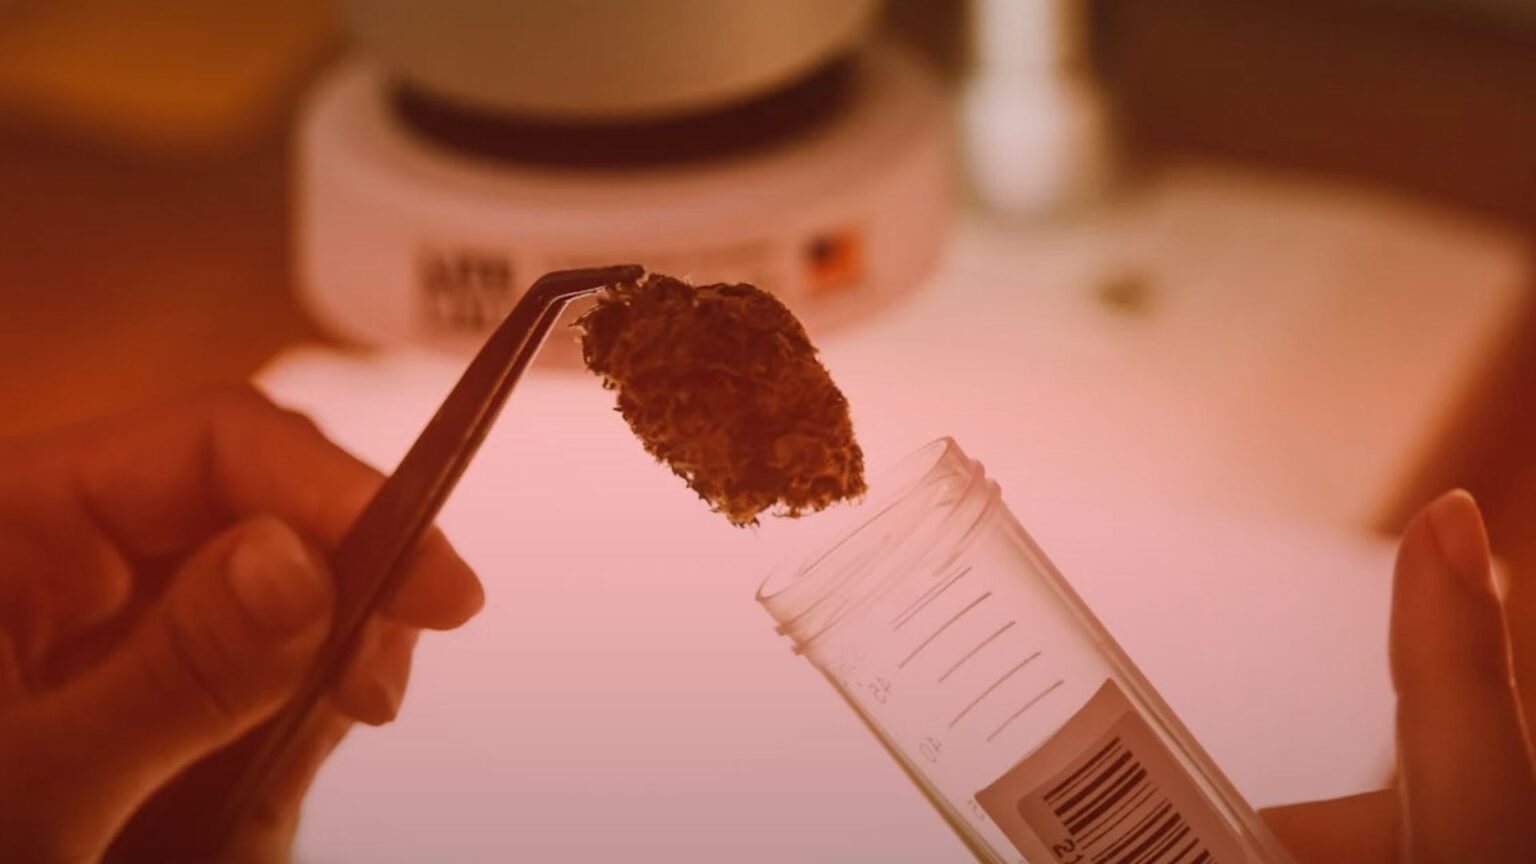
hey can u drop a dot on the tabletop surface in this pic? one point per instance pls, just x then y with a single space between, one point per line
623 692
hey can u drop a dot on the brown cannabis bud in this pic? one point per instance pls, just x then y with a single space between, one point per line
722 384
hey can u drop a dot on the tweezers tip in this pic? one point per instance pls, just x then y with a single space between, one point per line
597 277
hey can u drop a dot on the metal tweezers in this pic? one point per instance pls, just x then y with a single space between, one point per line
369 564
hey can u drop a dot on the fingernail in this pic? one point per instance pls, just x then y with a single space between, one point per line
382 704
1460 538
276 580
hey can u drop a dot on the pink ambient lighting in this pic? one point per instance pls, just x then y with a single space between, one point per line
622 694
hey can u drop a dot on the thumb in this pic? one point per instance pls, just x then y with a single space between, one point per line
228 641
1469 791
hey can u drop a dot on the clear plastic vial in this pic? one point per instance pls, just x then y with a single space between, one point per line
1003 697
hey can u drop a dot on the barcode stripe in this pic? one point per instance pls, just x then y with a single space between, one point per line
927 597
1116 809
942 627
974 651
1193 845
1141 828
1153 839
1099 757
1091 813
1100 780
1159 852
1189 847
1121 814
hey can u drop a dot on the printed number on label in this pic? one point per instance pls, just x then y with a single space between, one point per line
880 690
1066 852
931 748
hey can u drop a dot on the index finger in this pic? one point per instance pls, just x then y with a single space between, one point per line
162 480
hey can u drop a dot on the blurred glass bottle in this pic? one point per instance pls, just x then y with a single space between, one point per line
1036 123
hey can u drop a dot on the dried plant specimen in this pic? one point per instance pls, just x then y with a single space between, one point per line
722 384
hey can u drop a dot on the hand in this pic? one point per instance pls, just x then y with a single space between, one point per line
163 588
1466 777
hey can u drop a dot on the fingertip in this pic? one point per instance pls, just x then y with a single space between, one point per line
442 592
366 703
277 581
1417 550
1461 749
97 591
1446 614
113 586
1429 632
373 688
1460 538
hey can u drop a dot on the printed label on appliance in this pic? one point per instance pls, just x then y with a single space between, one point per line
464 290
834 260
1106 789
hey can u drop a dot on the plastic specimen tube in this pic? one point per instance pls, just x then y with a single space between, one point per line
984 674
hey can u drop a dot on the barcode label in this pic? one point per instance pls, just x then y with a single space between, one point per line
1113 811
1105 790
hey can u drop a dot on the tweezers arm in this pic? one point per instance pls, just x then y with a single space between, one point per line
368 564
404 507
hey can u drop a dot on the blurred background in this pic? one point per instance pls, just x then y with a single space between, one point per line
1267 262
145 181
